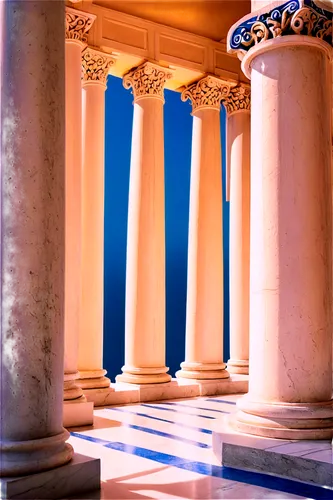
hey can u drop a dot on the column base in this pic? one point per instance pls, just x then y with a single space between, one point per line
35 455
307 461
93 379
285 420
55 483
238 366
135 375
201 371
71 388
78 412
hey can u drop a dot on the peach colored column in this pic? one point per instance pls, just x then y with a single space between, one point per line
95 71
145 274
290 388
77 25
204 313
32 438
237 105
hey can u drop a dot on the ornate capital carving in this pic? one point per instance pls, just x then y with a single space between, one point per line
95 66
78 24
295 17
147 80
238 99
207 92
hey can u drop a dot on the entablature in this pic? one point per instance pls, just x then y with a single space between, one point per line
133 40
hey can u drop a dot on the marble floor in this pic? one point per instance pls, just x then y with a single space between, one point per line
163 451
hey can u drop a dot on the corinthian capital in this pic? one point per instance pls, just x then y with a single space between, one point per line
239 98
147 80
78 24
95 66
207 92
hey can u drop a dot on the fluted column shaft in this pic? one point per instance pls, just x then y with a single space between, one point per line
204 310
145 273
290 387
32 437
238 158
77 25
95 70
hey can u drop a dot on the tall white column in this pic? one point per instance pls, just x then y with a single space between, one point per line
237 105
145 273
95 71
204 311
32 438
289 61
77 26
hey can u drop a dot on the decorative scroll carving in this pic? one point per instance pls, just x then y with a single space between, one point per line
78 24
237 99
295 17
95 66
147 80
207 92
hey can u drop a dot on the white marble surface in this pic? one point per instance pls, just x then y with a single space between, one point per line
115 395
235 384
124 393
162 451
79 476
307 461
77 413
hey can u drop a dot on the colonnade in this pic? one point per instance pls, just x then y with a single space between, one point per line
290 393
145 269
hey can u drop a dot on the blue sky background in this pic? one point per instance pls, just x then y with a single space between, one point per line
178 133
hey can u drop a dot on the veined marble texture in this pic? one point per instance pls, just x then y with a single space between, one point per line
308 461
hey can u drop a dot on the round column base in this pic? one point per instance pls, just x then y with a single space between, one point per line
135 375
71 389
285 420
93 379
240 366
203 371
36 455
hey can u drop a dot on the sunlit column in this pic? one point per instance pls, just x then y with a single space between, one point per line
290 67
95 71
237 105
145 272
204 310
77 25
32 438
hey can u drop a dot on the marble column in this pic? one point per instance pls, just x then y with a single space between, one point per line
95 71
204 310
32 438
237 105
78 25
287 54
145 273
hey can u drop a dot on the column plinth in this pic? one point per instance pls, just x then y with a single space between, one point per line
145 271
32 437
95 72
287 54
77 25
204 310
237 105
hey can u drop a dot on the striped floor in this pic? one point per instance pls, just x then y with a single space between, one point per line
163 451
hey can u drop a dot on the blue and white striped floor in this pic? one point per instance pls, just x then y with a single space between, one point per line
163 451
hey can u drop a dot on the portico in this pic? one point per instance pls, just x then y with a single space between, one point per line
278 104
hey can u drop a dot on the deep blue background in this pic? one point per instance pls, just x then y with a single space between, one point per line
178 132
